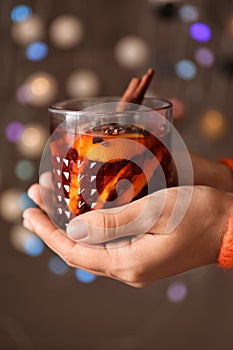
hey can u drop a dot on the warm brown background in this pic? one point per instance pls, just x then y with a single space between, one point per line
39 310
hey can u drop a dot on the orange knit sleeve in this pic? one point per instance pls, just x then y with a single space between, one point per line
225 258
228 162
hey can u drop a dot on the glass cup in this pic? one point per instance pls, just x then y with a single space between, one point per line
106 154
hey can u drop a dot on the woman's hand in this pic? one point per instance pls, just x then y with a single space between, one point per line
196 241
209 173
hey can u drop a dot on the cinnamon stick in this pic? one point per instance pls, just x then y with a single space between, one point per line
136 89
134 93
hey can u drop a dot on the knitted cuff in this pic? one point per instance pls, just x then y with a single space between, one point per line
225 258
228 162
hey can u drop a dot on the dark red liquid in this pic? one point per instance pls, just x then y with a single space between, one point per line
88 169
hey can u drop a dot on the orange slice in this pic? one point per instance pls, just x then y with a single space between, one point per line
116 147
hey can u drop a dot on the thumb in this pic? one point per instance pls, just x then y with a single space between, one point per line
100 226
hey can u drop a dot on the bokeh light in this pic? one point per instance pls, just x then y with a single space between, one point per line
33 246
213 124
25 201
32 29
66 31
188 13
24 169
57 265
9 204
131 52
23 94
14 131
229 25
185 69
200 32
83 83
84 276
40 86
18 235
37 51
25 241
177 292
31 137
177 107
33 140
40 89
204 57
20 13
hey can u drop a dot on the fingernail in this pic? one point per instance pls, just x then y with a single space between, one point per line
77 230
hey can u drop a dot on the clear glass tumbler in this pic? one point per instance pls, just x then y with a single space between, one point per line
105 153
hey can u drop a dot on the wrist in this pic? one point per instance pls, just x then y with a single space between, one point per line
216 210
214 174
227 173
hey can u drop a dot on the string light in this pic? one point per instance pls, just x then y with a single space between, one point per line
200 32
131 52
188 13
229 26
213 124
57 265
33 246
66 31
23 94
40 89
31 137
83 83
25 201
40 86
32 29
20 13
84 276
185 69
25 241
14 131
32 141
177 292
9 205
204 57
177 107
37 51
18 235
24 169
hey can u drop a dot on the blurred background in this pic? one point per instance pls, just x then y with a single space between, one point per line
54 50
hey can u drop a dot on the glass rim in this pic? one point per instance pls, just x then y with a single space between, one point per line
56 107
